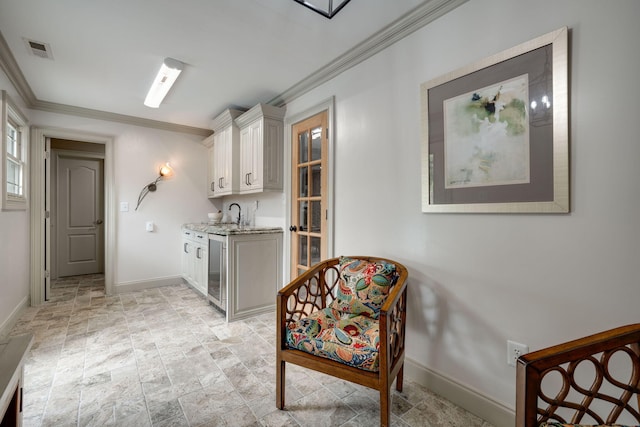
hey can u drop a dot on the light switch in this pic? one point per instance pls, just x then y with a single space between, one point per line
149 226
124 206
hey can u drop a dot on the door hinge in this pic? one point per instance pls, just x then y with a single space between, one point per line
46 155
46 274
47 214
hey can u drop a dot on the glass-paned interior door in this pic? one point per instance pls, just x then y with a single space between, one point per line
309 193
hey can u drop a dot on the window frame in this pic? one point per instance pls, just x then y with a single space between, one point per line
11 115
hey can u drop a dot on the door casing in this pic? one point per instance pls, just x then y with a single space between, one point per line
39 194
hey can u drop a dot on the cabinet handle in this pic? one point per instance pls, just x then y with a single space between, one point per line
198 253
249 178
213 186
185 248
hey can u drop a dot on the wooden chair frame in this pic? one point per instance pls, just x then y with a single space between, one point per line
314 290
534 407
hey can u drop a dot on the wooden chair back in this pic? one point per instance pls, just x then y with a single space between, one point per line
594 380
314 290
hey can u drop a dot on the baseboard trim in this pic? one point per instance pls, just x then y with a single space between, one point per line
140 285
10 322
463 396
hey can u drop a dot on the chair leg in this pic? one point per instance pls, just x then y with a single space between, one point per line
280 384
385 407
399 378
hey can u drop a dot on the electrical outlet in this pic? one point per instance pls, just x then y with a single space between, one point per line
515 350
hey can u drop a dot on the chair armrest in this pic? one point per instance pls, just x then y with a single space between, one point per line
564 358
393 319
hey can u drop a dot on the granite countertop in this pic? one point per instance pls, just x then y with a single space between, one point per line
225 229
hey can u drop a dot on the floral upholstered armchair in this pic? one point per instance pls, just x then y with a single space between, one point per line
591 381
345 317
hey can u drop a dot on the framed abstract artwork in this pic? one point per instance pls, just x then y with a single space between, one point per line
495 134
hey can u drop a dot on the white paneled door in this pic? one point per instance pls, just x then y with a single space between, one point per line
79 225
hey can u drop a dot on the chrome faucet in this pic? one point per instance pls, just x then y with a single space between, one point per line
239 211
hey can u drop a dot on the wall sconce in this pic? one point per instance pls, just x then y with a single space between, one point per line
165 171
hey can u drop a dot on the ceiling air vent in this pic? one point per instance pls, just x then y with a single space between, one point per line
43 50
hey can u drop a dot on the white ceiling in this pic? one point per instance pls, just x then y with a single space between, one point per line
237 52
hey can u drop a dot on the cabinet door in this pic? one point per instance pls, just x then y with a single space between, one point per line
217 173
250 150
251 146
185 259
220 163
245 160
255 154
200 269
271 156
211 177
188 261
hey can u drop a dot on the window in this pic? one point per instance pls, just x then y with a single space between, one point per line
14 156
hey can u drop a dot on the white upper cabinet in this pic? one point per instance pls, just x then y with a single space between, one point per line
225 155
208 142
261 149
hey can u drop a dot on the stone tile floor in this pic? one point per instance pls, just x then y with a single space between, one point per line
165 357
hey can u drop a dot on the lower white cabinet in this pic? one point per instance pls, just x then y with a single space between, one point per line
195 248
247 270
254 273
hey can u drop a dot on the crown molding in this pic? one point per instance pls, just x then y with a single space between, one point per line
10 66
89 113
397 30
14 73
260 111
417 18
225 119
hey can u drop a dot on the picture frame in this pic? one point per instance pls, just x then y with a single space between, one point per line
495 134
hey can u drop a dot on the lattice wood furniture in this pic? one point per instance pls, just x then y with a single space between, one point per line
316 290
593 380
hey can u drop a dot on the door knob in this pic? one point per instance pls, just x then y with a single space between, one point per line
97 222
293 228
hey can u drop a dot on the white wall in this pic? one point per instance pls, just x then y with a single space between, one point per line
477 280
14 248
141 257
138 154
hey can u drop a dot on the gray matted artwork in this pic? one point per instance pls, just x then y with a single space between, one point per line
486 136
